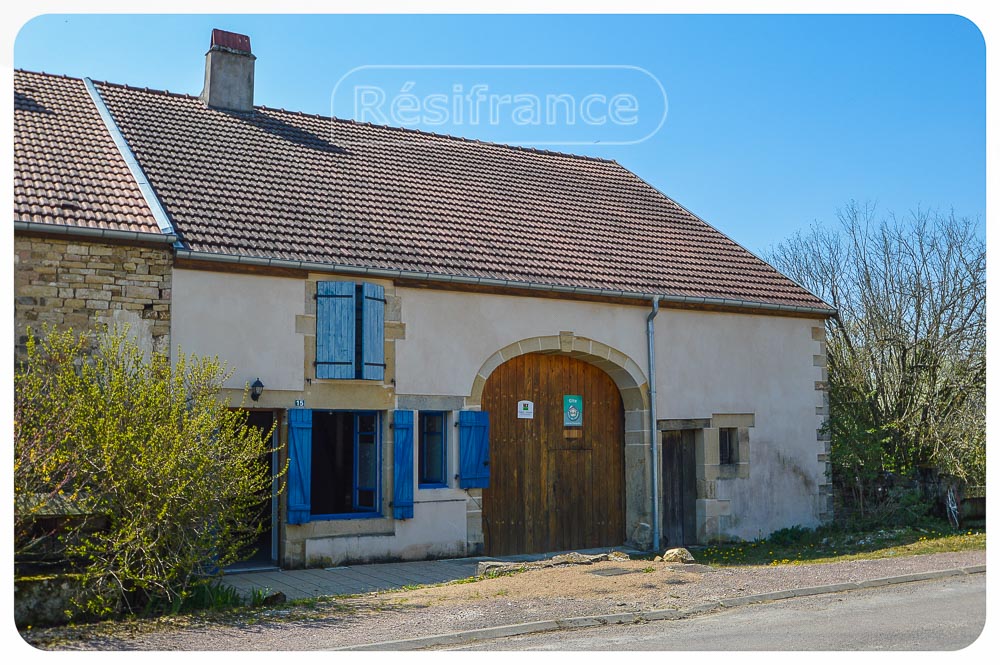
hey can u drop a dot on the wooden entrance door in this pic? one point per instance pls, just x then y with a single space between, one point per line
551 487
679 488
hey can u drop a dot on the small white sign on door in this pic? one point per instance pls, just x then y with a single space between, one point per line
526 409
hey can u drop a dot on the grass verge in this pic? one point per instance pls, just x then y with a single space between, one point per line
797 546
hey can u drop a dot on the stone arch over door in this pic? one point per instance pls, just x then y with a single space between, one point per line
631 381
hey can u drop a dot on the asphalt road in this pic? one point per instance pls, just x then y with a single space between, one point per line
943 614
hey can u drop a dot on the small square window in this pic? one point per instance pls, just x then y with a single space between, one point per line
729 445
433 452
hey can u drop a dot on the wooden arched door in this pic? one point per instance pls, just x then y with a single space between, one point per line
553 487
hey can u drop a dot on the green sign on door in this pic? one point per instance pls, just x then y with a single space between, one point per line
572 411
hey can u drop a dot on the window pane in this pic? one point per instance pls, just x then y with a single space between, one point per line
432 462
366 465
432 449
332 473
727 446
366 423
366 499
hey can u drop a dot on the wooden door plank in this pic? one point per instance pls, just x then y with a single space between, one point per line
539 523
689 488
515 458
550 365
591 529
671 497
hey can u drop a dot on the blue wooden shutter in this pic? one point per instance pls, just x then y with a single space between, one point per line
299 465
335 322
402 461
373 332
474 449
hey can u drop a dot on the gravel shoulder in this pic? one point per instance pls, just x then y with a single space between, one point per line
600 588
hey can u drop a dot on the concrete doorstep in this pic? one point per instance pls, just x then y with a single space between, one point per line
466 636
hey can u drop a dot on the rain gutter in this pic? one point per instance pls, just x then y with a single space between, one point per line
653 434
87 232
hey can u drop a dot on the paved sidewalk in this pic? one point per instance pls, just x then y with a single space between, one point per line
348 580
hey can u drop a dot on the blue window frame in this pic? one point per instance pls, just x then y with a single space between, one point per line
346 465
433 451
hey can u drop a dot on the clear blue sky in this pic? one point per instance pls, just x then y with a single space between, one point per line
773 122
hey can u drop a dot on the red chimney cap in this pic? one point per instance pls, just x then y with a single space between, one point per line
230 40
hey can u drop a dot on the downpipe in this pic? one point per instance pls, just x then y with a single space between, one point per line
653 443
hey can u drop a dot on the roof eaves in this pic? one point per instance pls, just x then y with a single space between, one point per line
97 233
724 303
711 226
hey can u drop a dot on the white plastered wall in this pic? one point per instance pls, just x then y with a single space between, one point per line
449 335
715 363
248 321
437 530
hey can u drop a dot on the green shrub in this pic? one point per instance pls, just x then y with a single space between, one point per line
168 475
46 476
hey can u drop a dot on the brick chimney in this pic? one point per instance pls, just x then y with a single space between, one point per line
229 73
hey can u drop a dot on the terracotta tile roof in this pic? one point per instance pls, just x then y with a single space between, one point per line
67 170
285 185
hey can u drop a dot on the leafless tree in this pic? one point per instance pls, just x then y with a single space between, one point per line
907 353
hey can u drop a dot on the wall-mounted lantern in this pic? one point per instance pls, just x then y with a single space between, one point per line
256 389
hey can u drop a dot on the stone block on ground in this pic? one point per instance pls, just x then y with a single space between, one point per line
575 558
495 568
276 598
678 555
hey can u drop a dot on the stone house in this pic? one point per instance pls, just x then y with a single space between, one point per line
467 347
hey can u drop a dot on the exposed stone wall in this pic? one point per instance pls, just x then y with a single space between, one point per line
824 496
79 284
